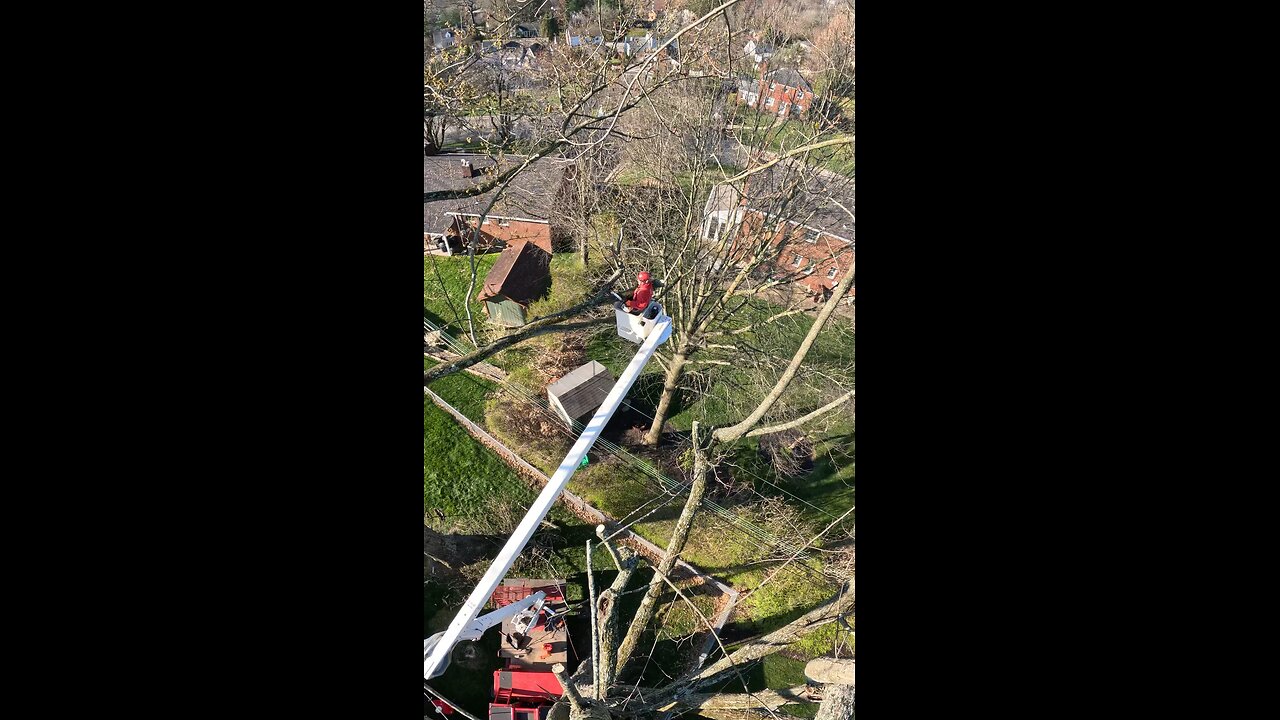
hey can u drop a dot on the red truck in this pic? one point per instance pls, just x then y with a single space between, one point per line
531 643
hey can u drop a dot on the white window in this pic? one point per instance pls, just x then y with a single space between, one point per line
831 274
769 102
796 262
773 86
799 94
783 109
809 270
811 236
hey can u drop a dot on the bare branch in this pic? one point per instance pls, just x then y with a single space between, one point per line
803 419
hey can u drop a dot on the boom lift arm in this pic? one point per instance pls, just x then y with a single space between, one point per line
653 331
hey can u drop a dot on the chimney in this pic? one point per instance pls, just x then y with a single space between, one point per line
467 170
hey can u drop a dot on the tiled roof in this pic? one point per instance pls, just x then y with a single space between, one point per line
814 205
789 77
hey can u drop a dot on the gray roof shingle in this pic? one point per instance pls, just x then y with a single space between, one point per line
531 194
789 77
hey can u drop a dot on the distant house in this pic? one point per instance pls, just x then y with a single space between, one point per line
521 275
577 395
783 91
814 245
524 212
759 52
650 43
442 39
575 41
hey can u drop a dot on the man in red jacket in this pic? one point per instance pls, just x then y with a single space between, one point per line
637 299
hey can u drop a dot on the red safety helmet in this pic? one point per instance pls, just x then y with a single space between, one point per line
643 277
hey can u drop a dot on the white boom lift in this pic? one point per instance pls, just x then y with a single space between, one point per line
650 332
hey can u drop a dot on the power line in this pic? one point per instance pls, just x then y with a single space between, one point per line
667 486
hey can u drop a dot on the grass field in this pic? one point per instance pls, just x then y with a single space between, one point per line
757 128
464 391
444 286
616 489
459 474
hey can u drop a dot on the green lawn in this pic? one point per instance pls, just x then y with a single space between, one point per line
464 391
616 489
459 473
445 281
758 129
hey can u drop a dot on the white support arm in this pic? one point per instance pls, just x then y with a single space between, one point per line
478 626
438 657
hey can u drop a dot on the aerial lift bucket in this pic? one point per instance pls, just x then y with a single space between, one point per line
637 327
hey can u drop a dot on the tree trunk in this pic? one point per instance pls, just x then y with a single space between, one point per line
830 671
607 606
837 703
678 538
758 648
772 699
669 388
580 708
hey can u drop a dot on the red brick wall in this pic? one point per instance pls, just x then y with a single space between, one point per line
826 253
509 231
780 94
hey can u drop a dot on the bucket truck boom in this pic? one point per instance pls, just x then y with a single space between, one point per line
651 332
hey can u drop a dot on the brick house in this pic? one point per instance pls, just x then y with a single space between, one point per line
783 92
814 245
524 213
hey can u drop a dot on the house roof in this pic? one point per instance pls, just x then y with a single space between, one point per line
441 39
531 194
582 390
815 205
522 273
789 77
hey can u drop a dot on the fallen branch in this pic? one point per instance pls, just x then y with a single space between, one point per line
804 418
541 326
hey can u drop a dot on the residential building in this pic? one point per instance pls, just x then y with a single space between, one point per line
783 92
814 243
524 212
759 52
443 39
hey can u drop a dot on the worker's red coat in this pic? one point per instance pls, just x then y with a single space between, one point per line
640 297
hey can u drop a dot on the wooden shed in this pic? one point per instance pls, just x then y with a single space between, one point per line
521 275
576 396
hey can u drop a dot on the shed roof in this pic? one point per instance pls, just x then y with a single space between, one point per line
583 390
522 273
